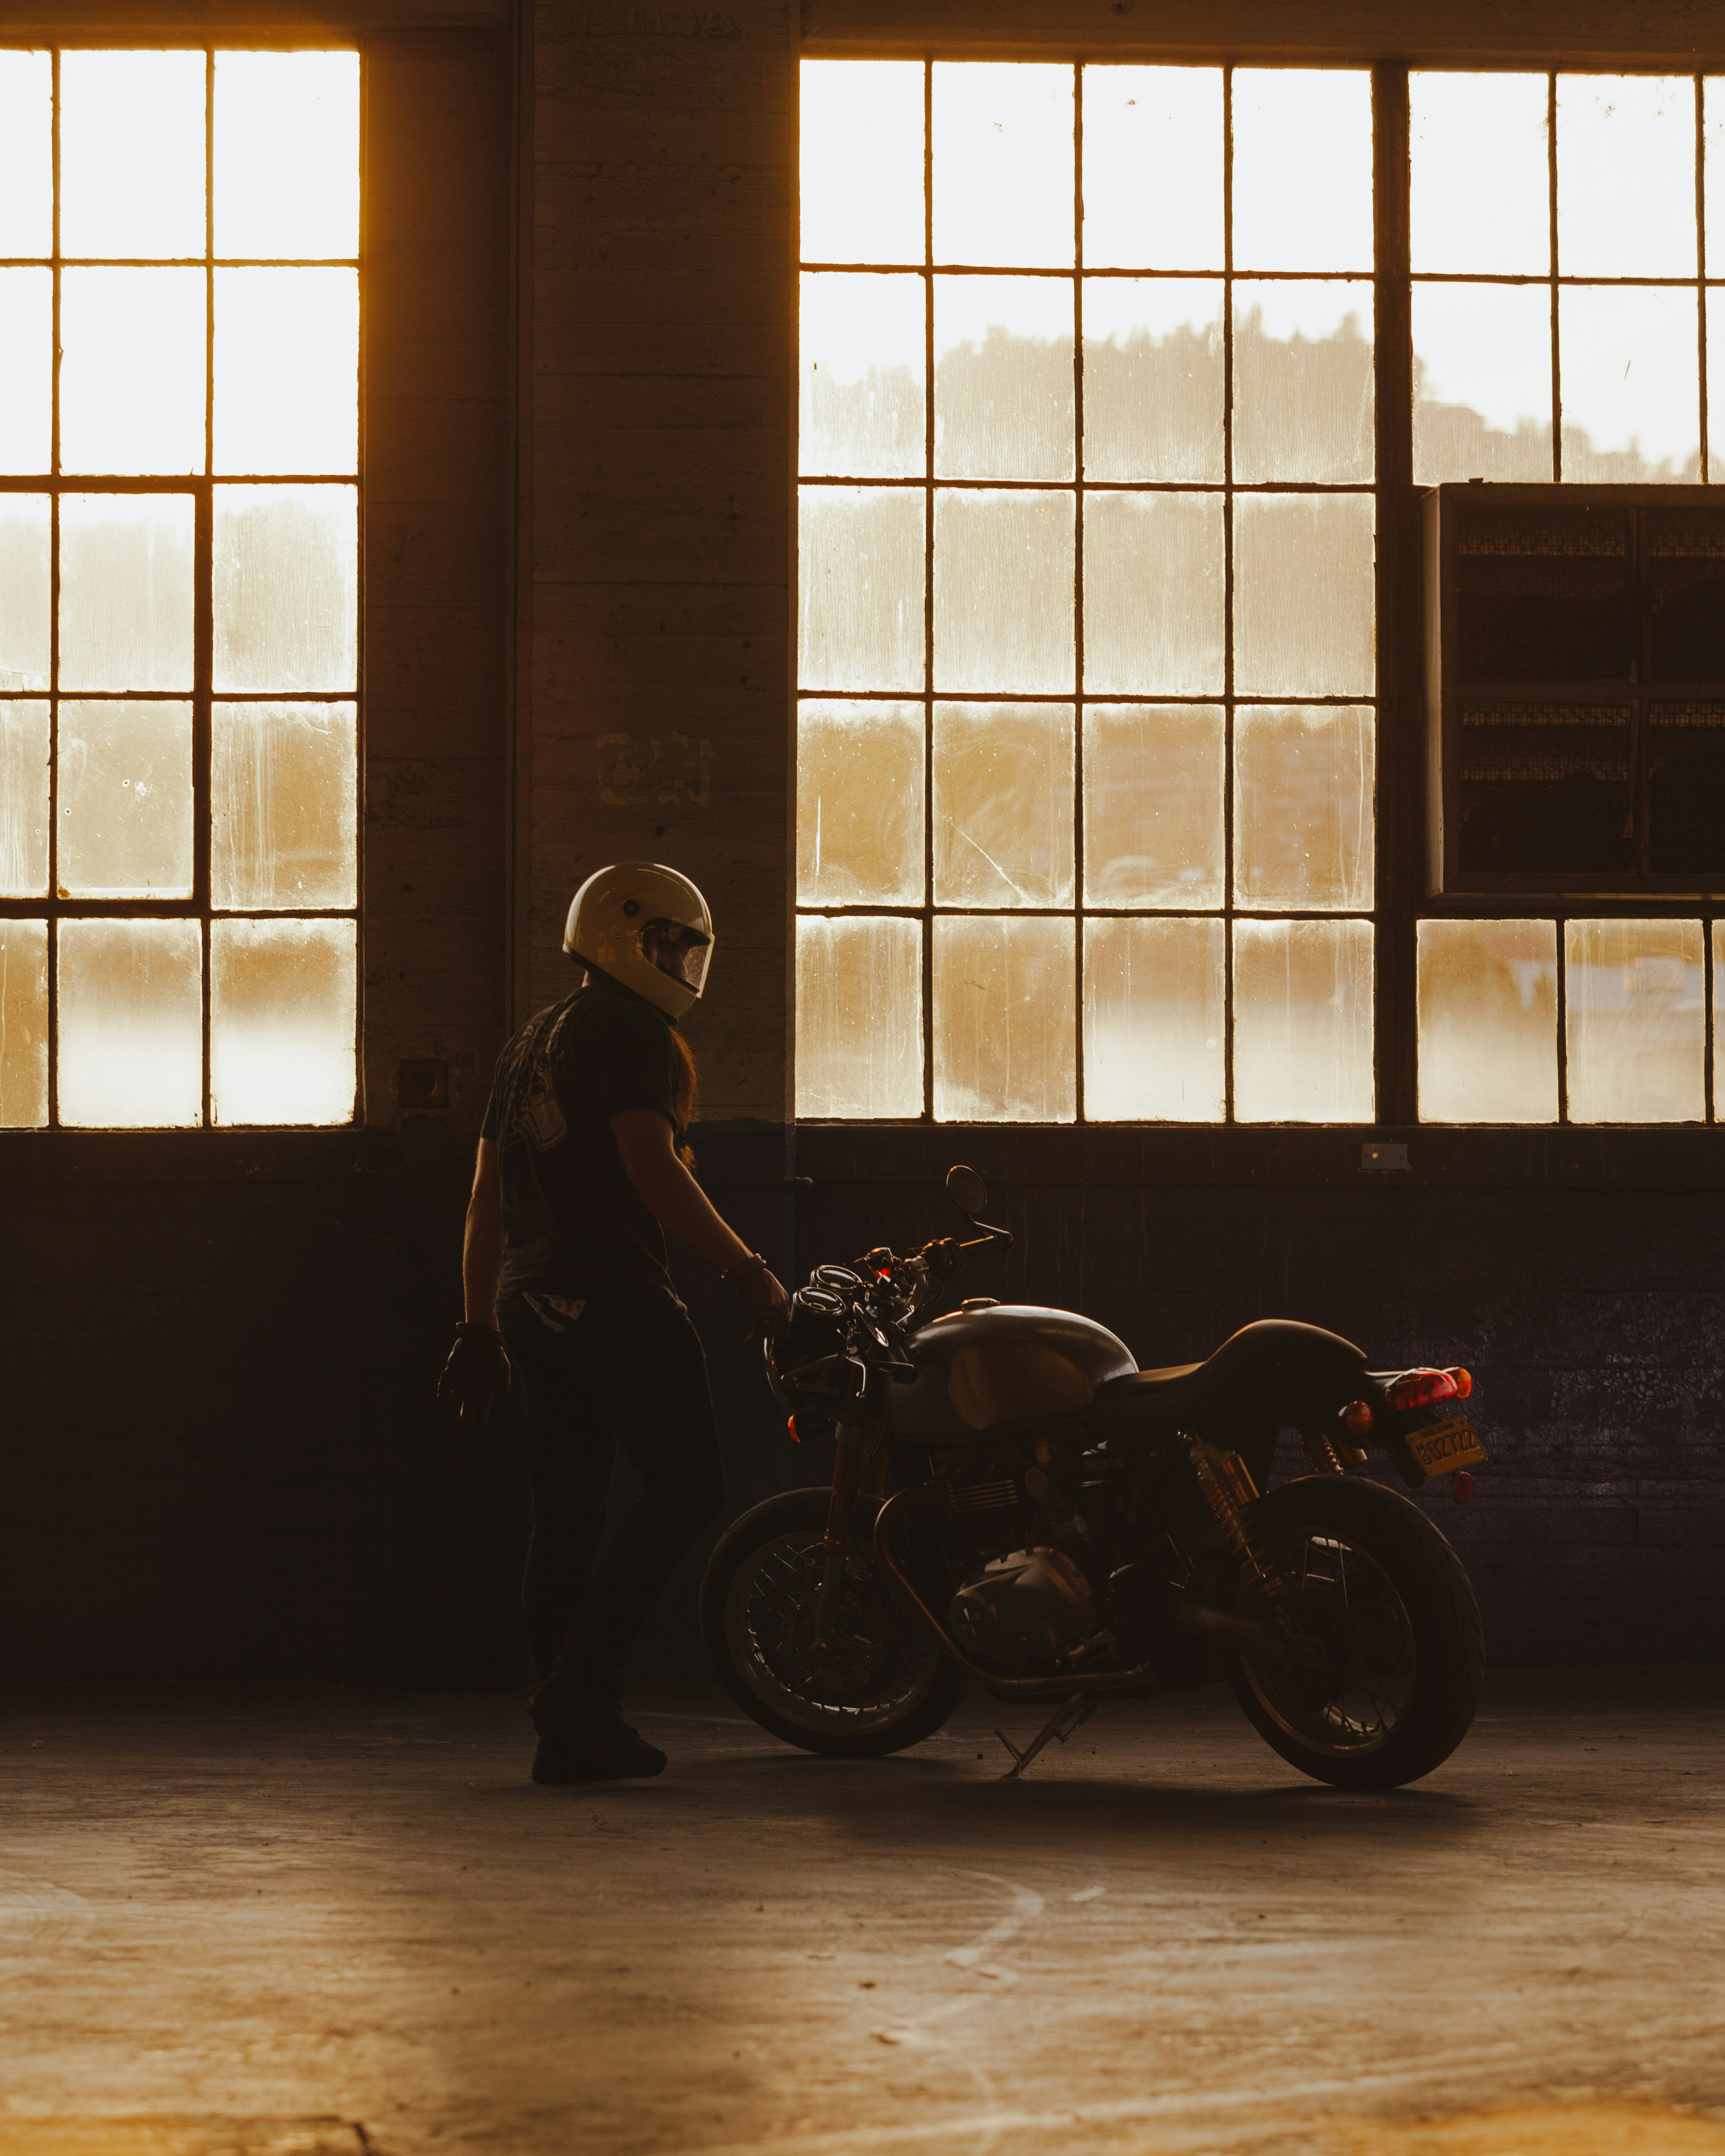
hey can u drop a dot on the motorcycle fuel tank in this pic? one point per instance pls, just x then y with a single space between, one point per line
987 1365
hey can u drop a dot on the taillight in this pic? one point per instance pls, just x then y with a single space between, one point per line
1418 1388
791 1425
1358 1416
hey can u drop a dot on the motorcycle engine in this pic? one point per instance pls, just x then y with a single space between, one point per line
1022 1611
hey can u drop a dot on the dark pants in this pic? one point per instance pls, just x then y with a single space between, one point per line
629 1379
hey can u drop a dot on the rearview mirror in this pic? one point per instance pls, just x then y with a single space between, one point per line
968 1191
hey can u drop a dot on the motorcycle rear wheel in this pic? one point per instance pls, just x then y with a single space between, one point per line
883 1684
1389 1646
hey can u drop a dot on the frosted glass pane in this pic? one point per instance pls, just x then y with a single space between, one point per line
26 370
1481 179
1635 1021
1153 777
131 1022
1302 1022
1481 383
1304 598
863 362
287 154
1630 375
1004 809
125 591
132 153
284 805
1153 380
1713 109
1625 176
1303 169
860 805
860 570
26 153
861 126
26 607
1302 809
1153 1020
281 1014
1004 1026
287 371
1303 380
859 1018
132 345
125 800
1488 1021
1155 600
1152 168
1002 378
285 578
24 1024
24 800
1004 183
1003 593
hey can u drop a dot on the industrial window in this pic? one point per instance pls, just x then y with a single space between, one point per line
179 513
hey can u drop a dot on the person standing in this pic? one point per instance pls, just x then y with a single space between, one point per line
582 1165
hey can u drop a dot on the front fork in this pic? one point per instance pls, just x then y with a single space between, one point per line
861 1461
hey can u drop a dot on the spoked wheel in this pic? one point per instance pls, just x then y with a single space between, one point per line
1374 1672
877 1682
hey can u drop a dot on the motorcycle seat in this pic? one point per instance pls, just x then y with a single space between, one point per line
1275 1366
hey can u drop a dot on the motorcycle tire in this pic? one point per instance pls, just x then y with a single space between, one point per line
1389 1626
757 1590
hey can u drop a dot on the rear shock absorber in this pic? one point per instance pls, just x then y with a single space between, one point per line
1227 1484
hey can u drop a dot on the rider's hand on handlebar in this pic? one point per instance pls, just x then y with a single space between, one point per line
766 1301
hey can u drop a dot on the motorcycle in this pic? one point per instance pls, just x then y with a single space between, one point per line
1014 1501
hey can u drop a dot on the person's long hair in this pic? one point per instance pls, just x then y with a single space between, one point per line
685 1096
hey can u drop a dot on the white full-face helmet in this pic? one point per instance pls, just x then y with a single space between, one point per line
648 928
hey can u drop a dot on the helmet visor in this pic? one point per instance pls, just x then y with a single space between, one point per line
682 951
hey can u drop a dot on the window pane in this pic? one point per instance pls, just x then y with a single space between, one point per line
860 603
1003 593
125 800
281 1014
1488 1021
26 369
131 154
287 154
24 1024
1002 378
25 605
284 780
1481 179
125 591
1625 176
286 578
1713 95
1153 777
859 1018
1303 380
1153 385
863 364
1481 383
23 801
131 1022
26 153
1302 1021
1304 599
1302 809
860 805
1154 595
132 346
1153 1021
862 161
1005 1035
1004 188
1002 804
1303 169
1152 168
287 371
1635 1021
1628 374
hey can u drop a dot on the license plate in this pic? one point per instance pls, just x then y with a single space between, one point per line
1444 1446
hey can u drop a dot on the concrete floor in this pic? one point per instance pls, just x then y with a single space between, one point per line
309 1921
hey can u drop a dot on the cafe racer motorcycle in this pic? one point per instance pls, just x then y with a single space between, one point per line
1014 1501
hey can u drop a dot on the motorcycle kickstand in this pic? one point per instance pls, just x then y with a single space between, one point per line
1069 1716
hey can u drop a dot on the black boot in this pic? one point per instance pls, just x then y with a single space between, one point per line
586 1739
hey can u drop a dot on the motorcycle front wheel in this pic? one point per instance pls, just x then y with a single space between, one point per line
878 1683
1373 1672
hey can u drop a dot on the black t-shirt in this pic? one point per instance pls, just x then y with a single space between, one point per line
576 1226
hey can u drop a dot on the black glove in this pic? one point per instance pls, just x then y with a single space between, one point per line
475 1378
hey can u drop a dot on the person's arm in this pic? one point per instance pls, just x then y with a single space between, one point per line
646 1142
482 1246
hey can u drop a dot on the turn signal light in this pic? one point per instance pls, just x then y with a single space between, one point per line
790 1423
1418 1388
1464 1383
1358 1416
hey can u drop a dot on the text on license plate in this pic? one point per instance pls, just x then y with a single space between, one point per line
1445 1446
